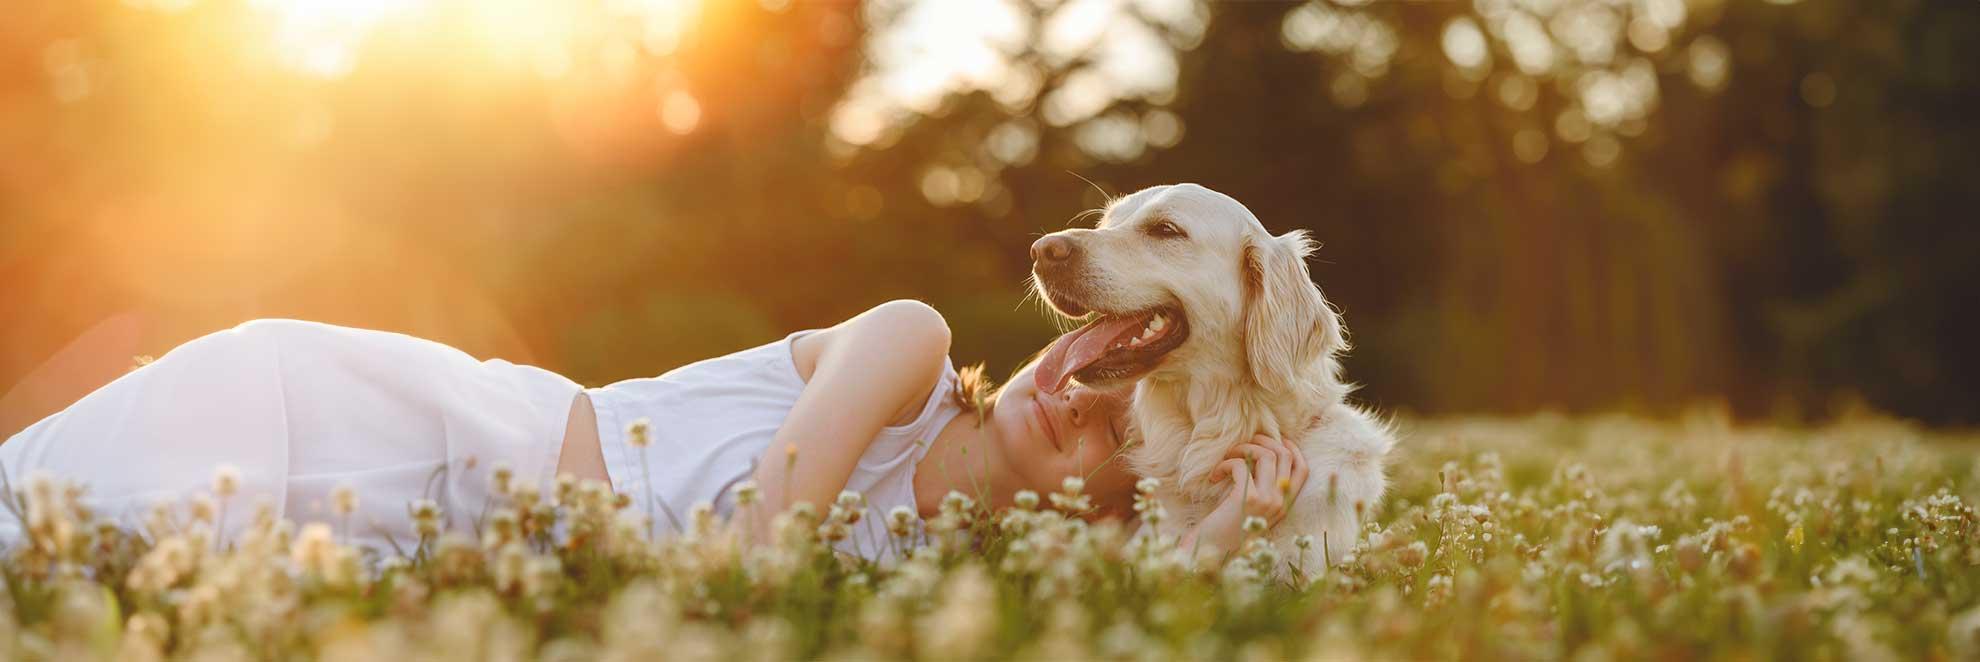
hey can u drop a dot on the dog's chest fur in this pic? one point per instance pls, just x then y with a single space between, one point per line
1188 426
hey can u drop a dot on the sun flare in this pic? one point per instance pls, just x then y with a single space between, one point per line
326 38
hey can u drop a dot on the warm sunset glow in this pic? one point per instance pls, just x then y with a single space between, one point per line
321 36
326 38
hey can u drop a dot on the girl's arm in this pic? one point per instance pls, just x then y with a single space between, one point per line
869 368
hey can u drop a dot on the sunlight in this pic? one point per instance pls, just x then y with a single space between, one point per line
325 37
321 37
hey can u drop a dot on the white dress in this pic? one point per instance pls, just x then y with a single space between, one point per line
712 420
300 408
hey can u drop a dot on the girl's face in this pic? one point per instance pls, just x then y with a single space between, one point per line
1076 432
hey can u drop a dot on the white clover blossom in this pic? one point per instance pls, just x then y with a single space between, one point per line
343 500
851 500
501 477
1025 500
639 433
226 480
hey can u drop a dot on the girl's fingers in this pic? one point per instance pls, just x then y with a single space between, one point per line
1256 452
1264 499
1297 467
1233 470
1286 455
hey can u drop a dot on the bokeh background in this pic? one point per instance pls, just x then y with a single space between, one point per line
1763 206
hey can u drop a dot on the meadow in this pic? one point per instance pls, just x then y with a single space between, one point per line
1536 538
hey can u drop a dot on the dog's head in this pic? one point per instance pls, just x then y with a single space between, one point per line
1184 276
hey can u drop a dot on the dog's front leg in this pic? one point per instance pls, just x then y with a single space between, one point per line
1346 459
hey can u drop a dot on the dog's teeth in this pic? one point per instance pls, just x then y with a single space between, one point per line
1146 333
1157 323
1134 341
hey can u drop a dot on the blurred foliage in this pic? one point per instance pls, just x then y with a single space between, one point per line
1524 203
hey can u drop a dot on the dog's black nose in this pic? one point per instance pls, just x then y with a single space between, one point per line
1053 249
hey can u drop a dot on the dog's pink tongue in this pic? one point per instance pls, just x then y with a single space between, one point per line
1080 348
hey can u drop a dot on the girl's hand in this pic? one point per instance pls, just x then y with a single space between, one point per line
1266 476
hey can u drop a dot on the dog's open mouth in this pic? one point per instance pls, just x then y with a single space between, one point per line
1112 348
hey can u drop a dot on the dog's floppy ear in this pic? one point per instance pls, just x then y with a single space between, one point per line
1289 330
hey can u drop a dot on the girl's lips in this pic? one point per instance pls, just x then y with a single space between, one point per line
1045 421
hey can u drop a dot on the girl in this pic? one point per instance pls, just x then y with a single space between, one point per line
348 426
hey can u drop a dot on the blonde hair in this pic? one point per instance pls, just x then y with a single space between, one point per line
977 393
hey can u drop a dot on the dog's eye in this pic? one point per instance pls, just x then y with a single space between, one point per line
1166 230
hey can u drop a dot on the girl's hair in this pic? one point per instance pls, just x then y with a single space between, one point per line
976 392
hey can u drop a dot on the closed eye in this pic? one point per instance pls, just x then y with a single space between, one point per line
1165 230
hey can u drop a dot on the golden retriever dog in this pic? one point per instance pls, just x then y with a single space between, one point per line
1222 333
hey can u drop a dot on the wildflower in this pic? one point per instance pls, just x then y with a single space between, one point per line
834 530
1254 524
501 478
343 500
226 481
849 507
1303 541
747 493
639 433
956 502
1147 486
503 524
145 634
312 551
964 622
541 574
511 563
203 508
701 518
850 500
420 510
1026 500
1070 498
198 606
1411 556
900 521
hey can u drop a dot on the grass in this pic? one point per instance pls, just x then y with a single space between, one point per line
1548 537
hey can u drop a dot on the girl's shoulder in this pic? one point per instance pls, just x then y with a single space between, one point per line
912 335
910 326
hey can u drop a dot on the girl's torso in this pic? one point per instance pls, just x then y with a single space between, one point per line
711 420
581 456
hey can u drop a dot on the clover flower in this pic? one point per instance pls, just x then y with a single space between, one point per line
900 521
226 480
639 433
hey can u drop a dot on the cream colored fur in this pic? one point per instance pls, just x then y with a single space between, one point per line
1262 357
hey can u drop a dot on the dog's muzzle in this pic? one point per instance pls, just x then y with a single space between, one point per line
1059 264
